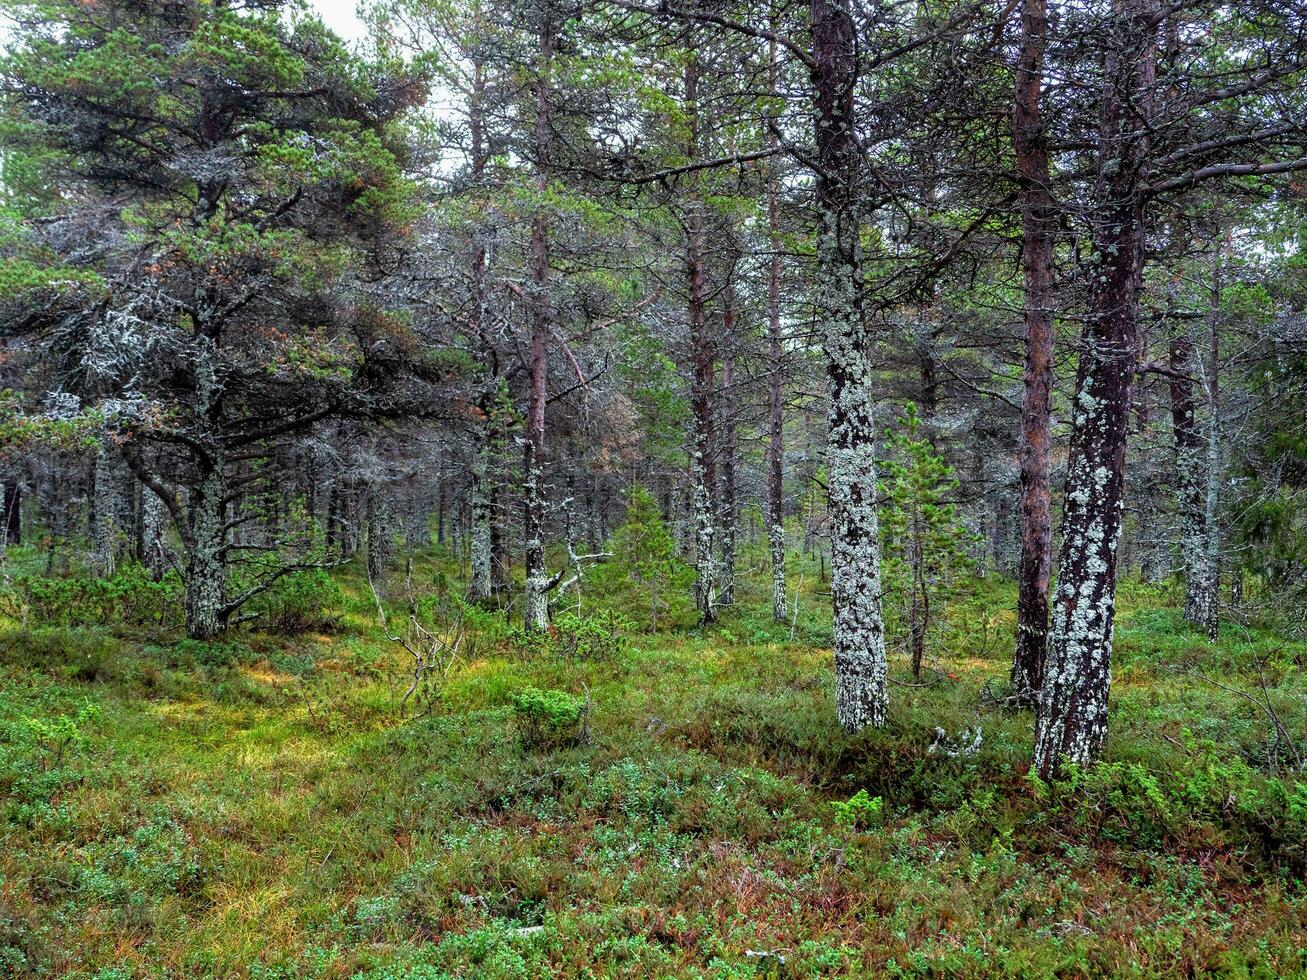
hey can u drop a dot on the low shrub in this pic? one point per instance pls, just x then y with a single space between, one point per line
601 635
204 653
597 636
549 719
130 596
859 812
301 602
1216 802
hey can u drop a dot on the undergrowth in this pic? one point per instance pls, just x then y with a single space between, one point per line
611 801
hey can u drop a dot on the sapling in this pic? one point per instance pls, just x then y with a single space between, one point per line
924 540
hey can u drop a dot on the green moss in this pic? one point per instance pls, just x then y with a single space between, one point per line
260 807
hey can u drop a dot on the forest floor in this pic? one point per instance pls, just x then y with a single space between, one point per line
260 808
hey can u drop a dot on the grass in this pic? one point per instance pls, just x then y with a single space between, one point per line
259 808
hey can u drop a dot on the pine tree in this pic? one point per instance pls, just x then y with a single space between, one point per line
226 176
925 545
644 554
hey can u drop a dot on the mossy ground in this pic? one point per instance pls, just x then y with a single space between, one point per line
259 808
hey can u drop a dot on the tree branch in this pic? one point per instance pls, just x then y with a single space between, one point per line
1226 170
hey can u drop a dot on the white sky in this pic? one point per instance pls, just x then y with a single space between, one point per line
341 16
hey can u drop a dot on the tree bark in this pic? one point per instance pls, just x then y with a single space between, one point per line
499 556
13 502
730 504
703 470
378 533
481 586
1190 502
1072 722
154 529
536 600
105 529
861 671
919 596
1153 544
206 573
1212 542
1038 226
205 533
482 579
775 366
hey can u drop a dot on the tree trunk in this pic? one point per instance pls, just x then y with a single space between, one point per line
1190 500
1212 544
1072 722
378 533
154 530
861 671
536 600
333 536
775 366
417 532
499 557
1153 544
703 474
730 505
482 578
13 503
481 586
1038 226
106 530
442 499
919 598
206 573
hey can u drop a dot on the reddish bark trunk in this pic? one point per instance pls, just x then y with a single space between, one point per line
1037 231
775 366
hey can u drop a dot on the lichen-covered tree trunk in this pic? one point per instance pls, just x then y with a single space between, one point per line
1038 226
703 517
1072 724
1072 721
417 531
1211 501
861 671
206 573
332 534
378 532
106 530
205 534
730 504
499 557
154 525
481 587
1208 605
1154 559
703 470
1187 457
536 598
